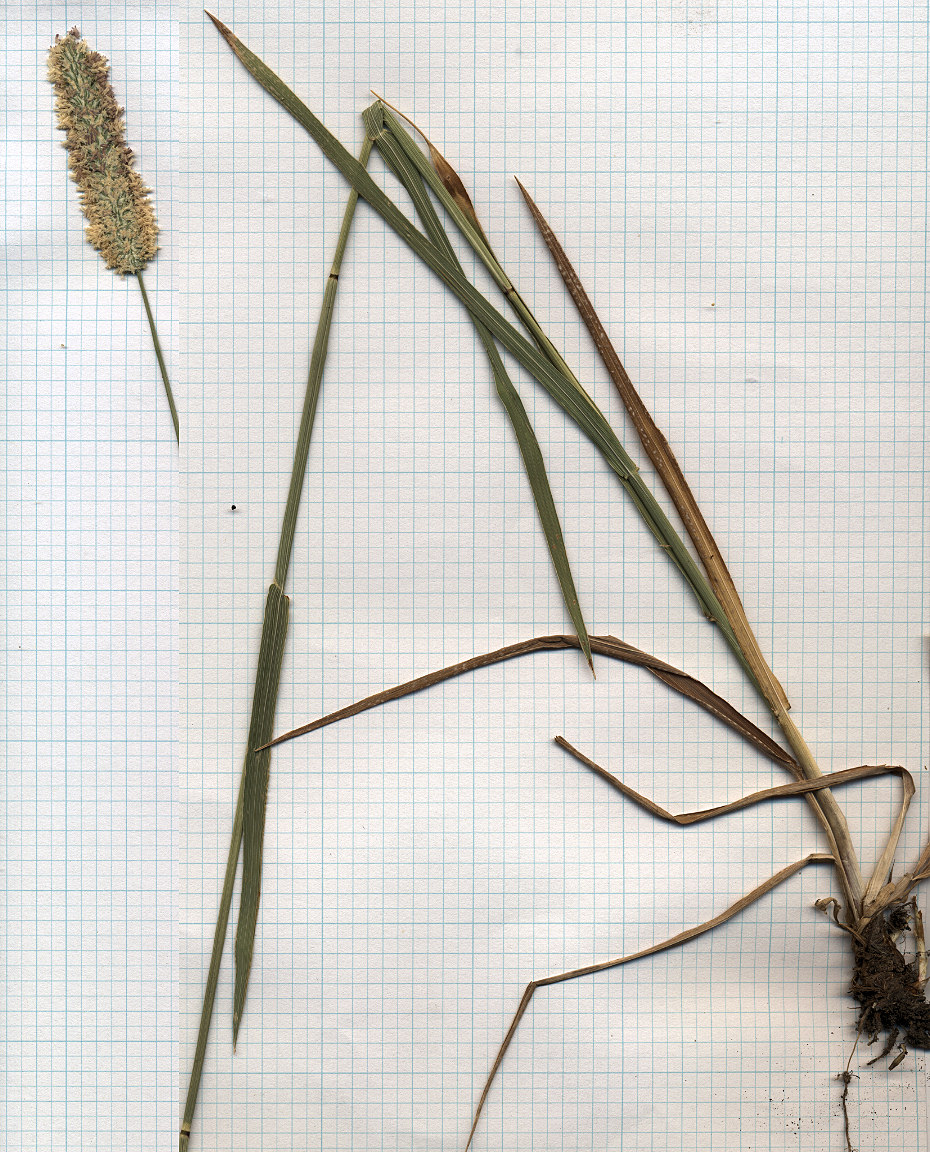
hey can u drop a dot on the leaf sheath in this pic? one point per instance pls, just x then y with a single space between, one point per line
267 678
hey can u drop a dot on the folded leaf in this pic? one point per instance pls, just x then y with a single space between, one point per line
530 451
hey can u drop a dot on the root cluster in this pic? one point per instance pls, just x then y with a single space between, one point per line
888 987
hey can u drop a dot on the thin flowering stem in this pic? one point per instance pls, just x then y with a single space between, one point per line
160 357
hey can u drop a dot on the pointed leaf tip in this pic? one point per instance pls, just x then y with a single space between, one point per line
226 33
531 203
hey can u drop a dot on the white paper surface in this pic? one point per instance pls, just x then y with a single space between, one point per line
90 577
743 193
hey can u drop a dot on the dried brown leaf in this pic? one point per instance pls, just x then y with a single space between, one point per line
681 682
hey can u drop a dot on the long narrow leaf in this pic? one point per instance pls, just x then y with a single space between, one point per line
680 682
804 787
573 399
530 451
267 677
779 792
666 464
249 818
591 969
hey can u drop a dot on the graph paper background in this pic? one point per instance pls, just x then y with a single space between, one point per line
90 671
743 191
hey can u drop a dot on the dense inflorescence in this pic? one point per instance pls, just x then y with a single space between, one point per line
113 197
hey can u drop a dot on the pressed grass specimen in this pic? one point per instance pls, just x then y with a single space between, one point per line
875 910
121 222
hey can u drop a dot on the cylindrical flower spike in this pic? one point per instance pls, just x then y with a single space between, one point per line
113 197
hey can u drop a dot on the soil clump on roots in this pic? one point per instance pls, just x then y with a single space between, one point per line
888 987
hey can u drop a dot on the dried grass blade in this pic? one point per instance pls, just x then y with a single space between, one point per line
663 458
695 690
527 442
920 872
885 862
610 646
673 942
779 792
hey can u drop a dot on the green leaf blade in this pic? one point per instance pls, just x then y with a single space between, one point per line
563 388
528 444
257 766
535 469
